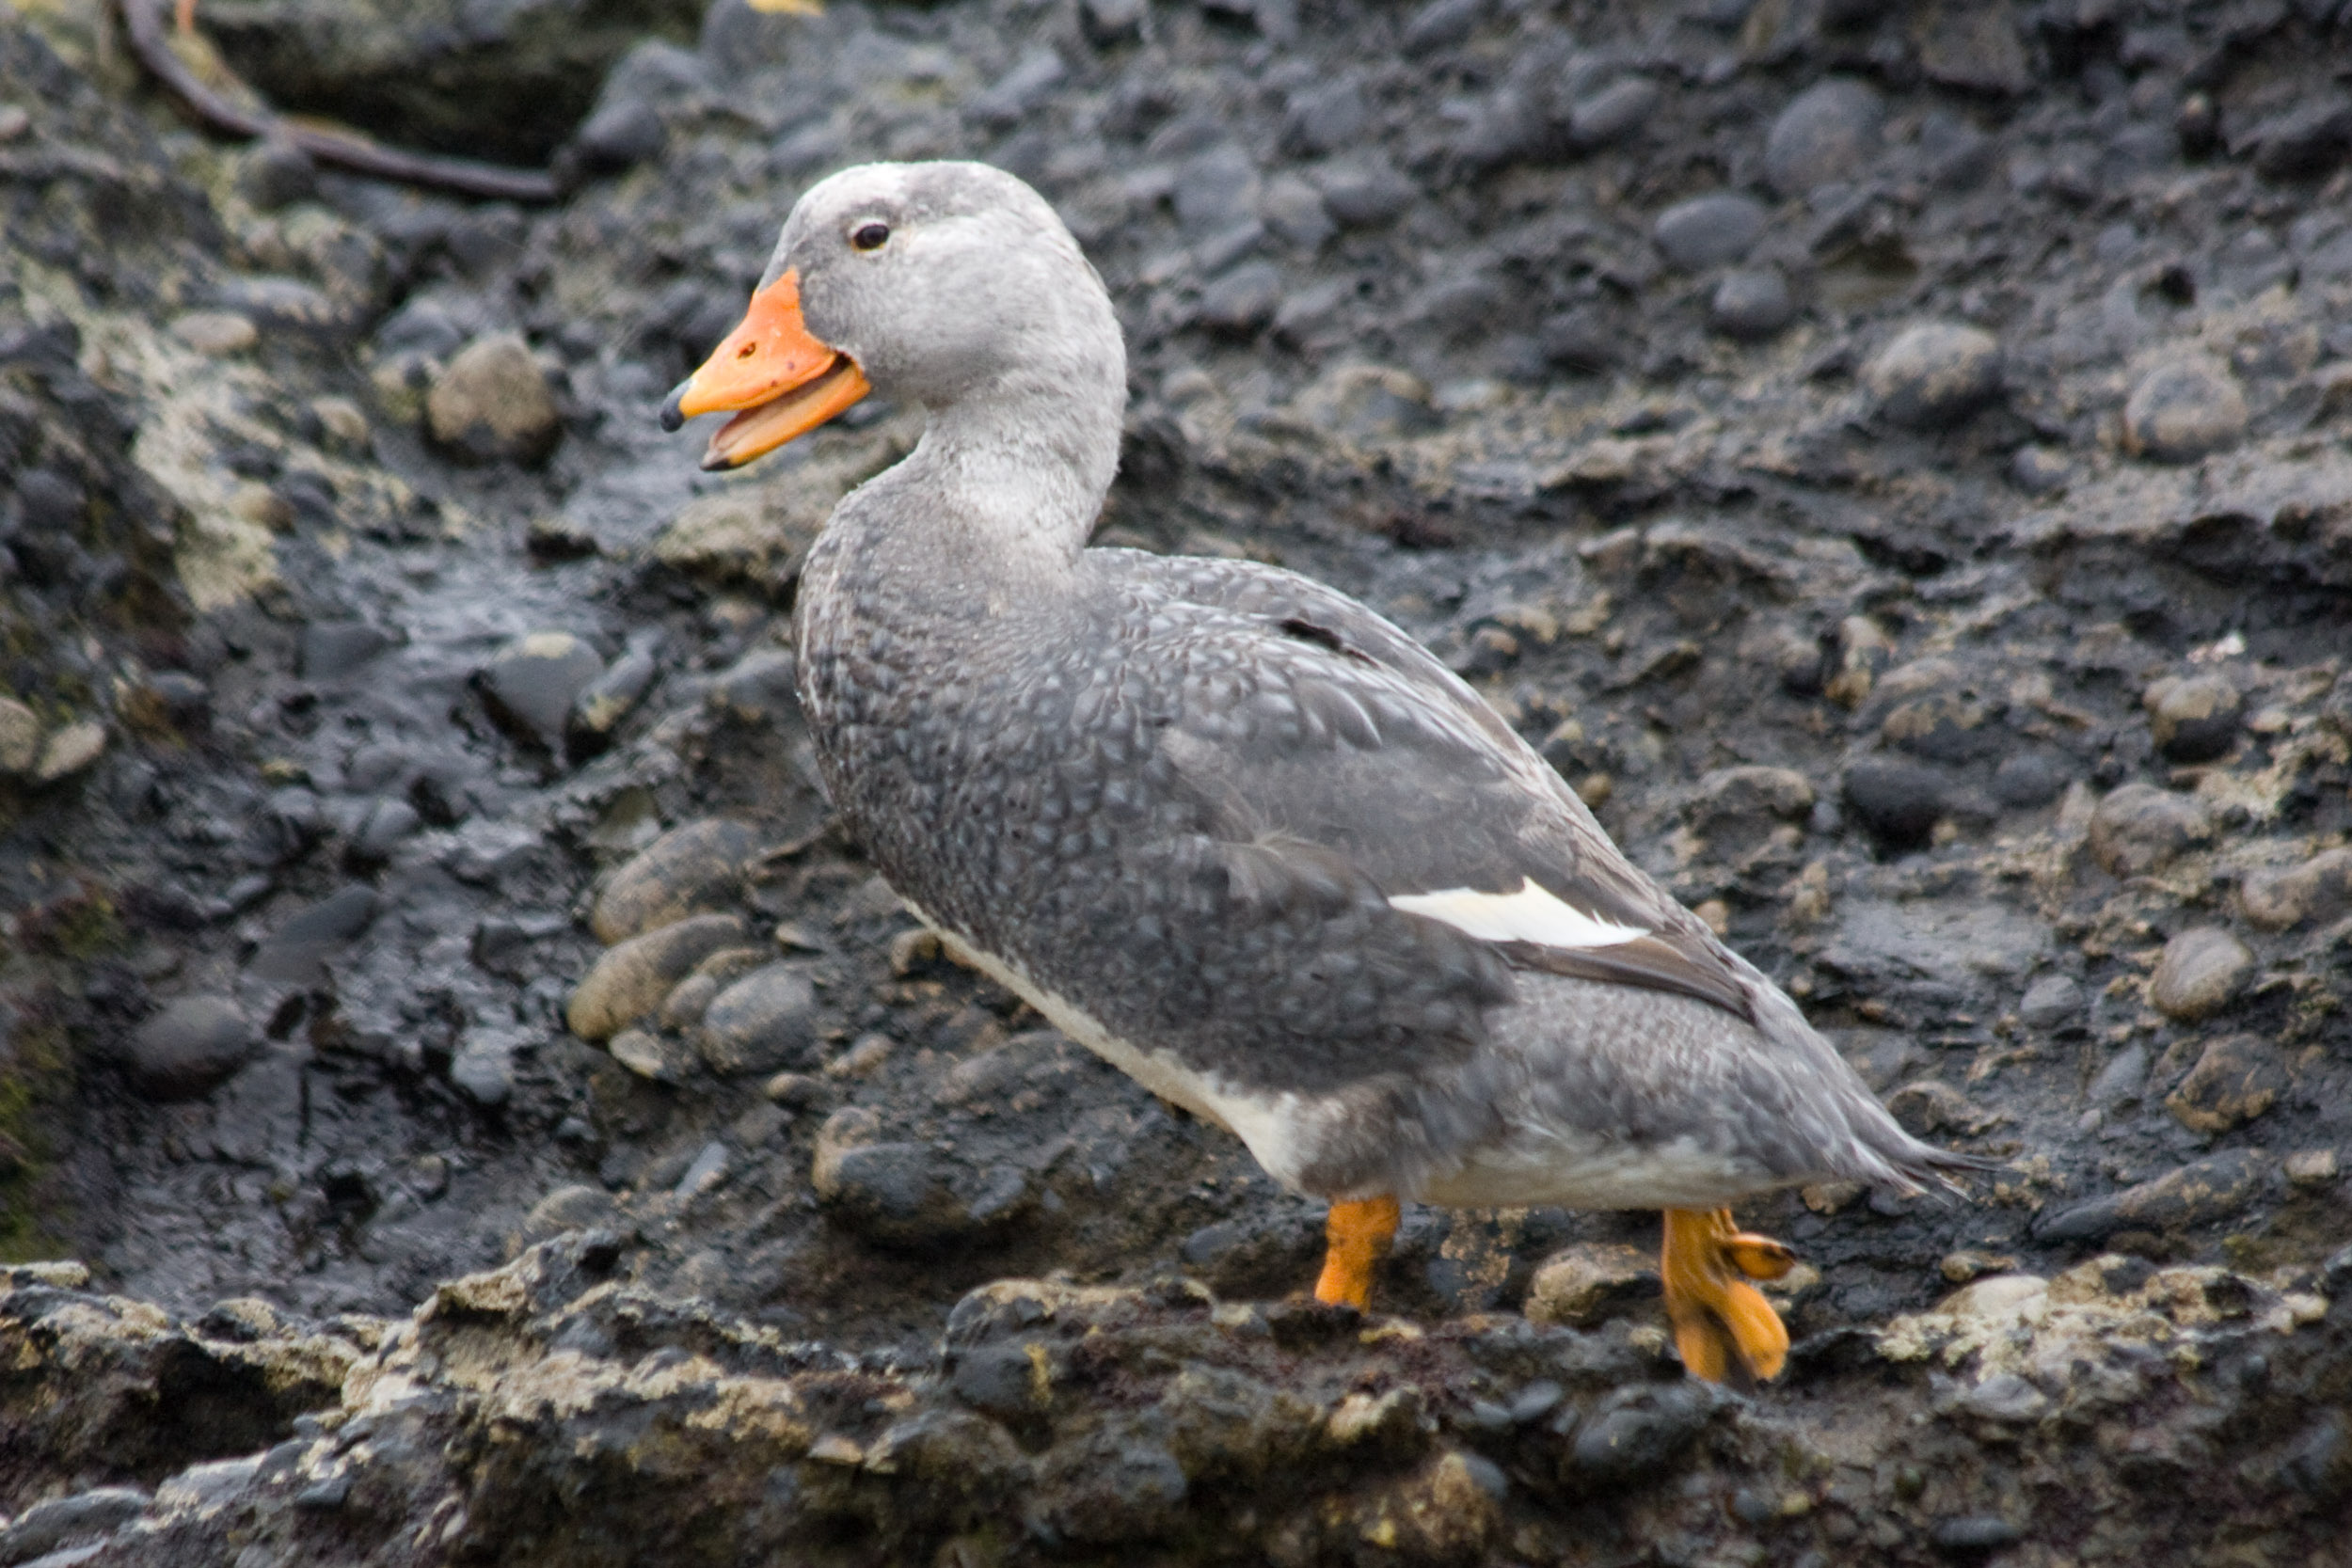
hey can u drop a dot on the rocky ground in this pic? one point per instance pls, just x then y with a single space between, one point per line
1893 461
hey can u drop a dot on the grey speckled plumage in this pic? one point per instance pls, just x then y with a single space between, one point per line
1171 799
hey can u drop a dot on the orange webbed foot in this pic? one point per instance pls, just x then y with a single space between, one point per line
1725 1329
1356 1235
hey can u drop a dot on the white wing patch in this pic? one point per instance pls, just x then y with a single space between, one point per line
1531 915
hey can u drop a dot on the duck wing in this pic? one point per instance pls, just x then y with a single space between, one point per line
1304 719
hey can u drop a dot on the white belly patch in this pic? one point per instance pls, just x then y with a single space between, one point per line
1271 1125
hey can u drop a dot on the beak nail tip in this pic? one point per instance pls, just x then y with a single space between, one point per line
673 417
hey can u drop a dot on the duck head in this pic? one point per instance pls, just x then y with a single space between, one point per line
953 285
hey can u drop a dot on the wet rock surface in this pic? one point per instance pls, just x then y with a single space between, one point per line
1958 685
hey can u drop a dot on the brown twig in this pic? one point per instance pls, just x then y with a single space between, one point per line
142 20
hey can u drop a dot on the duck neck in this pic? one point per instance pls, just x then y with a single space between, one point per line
1022 466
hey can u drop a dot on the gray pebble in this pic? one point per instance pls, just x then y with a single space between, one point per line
1934 373
1751 303
2038 471
294 953
1826 133
1708 231
330 650
2181 411
620 135
2193 717
1364 192
1294 211
2026 780
2208 1189
62 1521
2051 1000
2120 1081
1242 301
1899 803
1442 23
190 1048
493 404
2199 972
764 1022
631 978
2237 1078
533 682
483 1066
277 173
697 866
1326 119
390 823
2300 143
1614 113
2320 888
2138 827
604 702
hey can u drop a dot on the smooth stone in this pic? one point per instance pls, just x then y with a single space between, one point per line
689 869
61 1521
576 1207
620 135
764 1022
1295 212
689 1000
2027 780
1709 230
20 737
483 1066
2200 971
632 979
70 751
2236 1079
277 173
193 1046
2181 411
648 1055
1639 1433
330 650
1752 304
1934 373
1326 119
493 404
1440 24
1242 301
2204 1190
603 702
2039 471
293 952
2138 827
390 823
533 682
217 334
2053 1000
1826 133
1582 1286
2122 1080
903 1194
2193 717
2299 143
1899 803
2318 889
1613 113
1364 191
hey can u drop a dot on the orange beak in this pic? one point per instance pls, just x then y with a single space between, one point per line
778 381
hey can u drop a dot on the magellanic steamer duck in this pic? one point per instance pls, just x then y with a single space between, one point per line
1226 826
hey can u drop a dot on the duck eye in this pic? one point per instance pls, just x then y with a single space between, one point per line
869 237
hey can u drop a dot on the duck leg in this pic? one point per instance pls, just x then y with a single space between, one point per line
1723 1325
1357 1237
183 14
